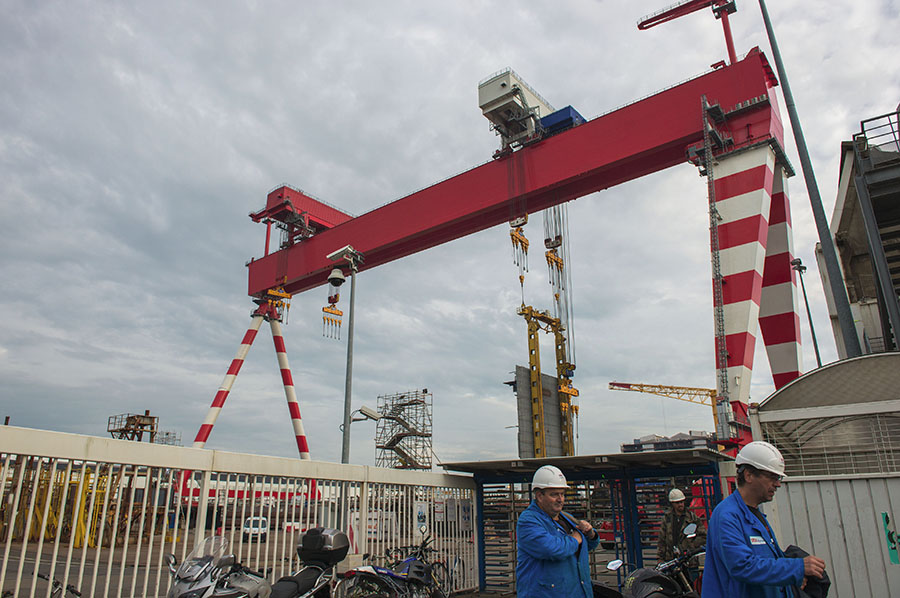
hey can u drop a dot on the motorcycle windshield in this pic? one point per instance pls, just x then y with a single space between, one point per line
202 558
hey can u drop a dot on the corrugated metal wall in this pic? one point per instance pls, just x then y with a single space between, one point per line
839 519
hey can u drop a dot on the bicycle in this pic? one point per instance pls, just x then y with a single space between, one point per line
57 587
409 573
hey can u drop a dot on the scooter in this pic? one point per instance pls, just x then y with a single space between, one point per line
666 580
208 572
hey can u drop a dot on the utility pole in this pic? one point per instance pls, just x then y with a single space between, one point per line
835 280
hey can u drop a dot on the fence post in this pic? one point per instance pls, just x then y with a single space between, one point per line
202 507
755 427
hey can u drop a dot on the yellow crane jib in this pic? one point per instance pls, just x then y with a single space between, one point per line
691 394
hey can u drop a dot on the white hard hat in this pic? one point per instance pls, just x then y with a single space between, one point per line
548 476
676 495
761 455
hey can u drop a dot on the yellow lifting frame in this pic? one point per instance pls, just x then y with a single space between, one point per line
566 391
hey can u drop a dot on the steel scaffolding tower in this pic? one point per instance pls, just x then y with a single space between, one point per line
403 434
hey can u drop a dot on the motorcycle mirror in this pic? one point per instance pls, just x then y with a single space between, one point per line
614 565
171 563
226 561
423 529
690 530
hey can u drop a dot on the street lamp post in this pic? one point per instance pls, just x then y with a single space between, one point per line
797 264
353 259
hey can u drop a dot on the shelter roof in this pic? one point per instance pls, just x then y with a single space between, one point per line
592 464
868 379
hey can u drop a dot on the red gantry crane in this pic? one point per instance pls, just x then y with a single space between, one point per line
721 9
727 114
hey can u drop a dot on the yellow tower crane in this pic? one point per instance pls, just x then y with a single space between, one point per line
702 396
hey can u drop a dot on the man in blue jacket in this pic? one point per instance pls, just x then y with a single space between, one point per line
552 547
743 559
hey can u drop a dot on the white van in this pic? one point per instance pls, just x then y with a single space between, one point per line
255 528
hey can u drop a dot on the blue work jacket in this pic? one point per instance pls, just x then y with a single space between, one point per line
743 559
551 563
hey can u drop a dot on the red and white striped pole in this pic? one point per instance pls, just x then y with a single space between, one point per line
289 393
228 381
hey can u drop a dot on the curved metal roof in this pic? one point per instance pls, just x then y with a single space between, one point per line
867 379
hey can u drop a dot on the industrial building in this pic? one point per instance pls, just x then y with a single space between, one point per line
866 230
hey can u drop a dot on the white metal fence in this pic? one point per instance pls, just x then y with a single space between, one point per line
844 520
99 513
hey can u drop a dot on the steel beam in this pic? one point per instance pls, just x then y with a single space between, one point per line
644 137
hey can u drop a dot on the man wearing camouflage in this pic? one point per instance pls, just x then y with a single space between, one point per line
671 531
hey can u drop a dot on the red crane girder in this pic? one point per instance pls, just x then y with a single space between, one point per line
674 12
644 137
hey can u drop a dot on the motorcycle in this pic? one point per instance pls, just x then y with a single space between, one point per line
412 575
208 572
666 580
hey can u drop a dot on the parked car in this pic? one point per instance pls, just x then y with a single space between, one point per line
606 534
256 528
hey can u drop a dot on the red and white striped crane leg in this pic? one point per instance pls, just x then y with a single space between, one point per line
743 187
227 382
779 308
289 393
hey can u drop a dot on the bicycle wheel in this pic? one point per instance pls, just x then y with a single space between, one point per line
367 586
456 575
440 581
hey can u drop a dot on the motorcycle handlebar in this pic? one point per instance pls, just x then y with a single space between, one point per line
682 558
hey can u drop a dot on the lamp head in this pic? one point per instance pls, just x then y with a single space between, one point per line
336 278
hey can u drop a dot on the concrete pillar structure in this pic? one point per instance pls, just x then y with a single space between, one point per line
755 250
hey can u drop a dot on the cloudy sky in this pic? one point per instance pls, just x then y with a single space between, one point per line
136 137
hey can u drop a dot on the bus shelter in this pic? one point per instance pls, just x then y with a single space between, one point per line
623 495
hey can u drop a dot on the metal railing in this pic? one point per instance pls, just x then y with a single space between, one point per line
879 139
100 513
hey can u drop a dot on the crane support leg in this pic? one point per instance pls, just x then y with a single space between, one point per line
289 392
743 184
779 307
757 283
225 388
266 311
